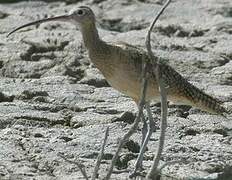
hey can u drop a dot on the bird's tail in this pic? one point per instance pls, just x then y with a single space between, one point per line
204 101
194 95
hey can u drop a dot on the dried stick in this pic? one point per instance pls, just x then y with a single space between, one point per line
152 174
78 164
148 37
99 158
135 124
141 102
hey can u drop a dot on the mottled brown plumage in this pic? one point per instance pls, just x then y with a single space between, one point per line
122 69
121 64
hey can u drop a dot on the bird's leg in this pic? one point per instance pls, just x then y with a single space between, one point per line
139 161
146 137
144 128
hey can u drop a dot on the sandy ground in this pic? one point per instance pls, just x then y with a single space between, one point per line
53 100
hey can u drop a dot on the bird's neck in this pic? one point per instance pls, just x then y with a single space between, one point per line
97 49
91 38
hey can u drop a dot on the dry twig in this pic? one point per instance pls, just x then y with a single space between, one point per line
152 174
99 158
142 103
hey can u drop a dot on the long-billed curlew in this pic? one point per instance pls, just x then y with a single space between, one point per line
121 65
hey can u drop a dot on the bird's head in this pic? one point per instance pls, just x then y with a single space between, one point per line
83 16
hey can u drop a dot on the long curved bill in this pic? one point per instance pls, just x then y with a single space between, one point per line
58 18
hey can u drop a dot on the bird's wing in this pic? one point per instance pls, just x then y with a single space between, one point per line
173 79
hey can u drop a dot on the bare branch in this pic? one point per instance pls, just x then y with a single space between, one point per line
78 164
99 158
148 37
153 172
142 100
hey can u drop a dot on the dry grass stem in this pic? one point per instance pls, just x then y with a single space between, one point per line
153 172
99 158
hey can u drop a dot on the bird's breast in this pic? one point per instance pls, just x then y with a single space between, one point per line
126 79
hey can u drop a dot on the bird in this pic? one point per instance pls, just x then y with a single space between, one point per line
121 65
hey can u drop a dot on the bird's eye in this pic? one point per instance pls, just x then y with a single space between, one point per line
80 12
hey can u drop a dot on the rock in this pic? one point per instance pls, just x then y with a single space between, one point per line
5 98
